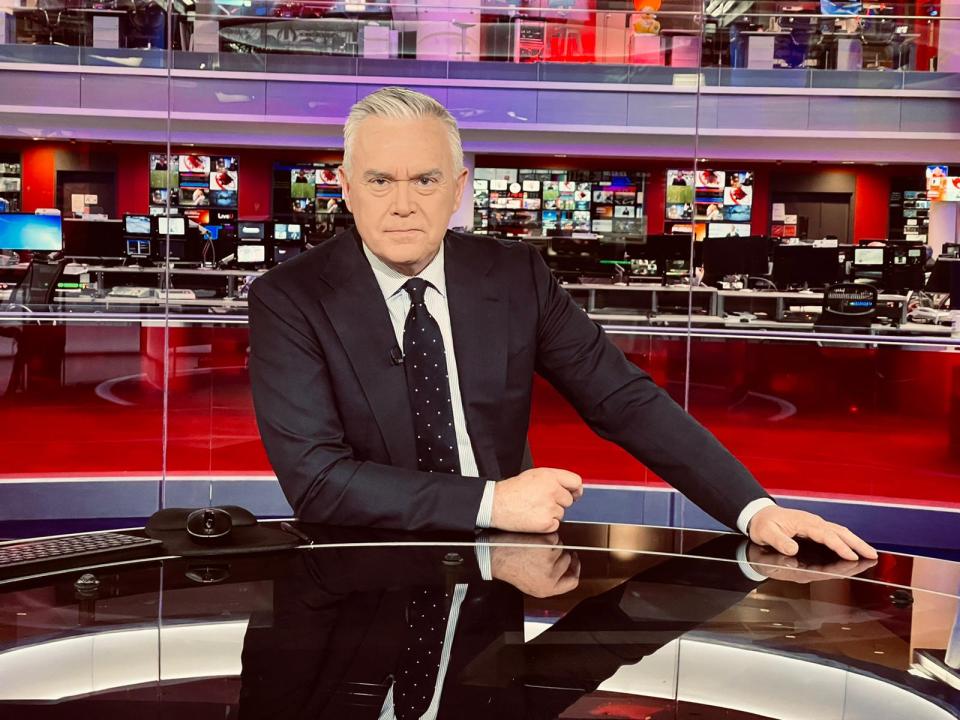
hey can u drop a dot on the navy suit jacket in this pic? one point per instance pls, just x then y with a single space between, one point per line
334 413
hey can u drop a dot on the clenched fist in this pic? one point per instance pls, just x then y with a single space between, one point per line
534 501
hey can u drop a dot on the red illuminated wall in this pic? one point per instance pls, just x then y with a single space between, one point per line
40 164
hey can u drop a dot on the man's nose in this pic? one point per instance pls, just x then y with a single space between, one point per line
401 199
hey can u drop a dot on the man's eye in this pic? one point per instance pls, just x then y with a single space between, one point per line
426 181
380 182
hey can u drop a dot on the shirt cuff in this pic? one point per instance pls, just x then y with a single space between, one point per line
485 514
744 564
483 560
752 508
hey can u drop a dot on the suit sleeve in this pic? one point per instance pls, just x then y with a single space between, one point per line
303 435
621 403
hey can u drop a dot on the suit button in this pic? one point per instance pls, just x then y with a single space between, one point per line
452 558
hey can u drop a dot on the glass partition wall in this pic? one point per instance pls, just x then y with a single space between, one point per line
695 176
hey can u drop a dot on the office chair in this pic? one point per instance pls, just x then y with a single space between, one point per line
145 26
879 35
57 22
802 42
38 286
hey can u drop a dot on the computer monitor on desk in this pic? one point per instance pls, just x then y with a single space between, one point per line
723 256
945 278
903 266
36 233
251 254
805 266
671 254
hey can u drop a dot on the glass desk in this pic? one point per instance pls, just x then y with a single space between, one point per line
608 621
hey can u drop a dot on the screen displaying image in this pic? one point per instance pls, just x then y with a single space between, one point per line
303 183
287 232
680 211
680 188
711 212
251 254
549 219
603 211
161 175
158 196
735 179
195 180
328 176
41 233
740 195
138 248
710 179
499 185
736 213
177 226
136 224
531 186
531 203
602 226
581 220
223 180
568 187
194 196
868 256
602 196
624 211
223 198
229 164
195 164
247 231
728 230
551 190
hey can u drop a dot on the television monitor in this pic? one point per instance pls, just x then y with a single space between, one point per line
251 254
93 238
945 278
287 232
136 224
735 255
23 231
282 253
903 266
223 198
249 231
176 249
177 226
138 247
868 257
805 265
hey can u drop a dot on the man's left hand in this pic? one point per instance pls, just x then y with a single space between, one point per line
776 527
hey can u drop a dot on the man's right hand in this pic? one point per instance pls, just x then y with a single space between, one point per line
534 501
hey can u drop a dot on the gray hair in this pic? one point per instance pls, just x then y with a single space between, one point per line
401 104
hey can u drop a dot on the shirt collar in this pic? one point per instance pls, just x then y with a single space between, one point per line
391 281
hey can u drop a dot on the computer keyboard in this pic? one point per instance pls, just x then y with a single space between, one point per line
178 294
132 292
28 553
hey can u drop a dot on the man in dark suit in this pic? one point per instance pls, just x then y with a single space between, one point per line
363 426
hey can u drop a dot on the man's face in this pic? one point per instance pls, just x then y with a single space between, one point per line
402 189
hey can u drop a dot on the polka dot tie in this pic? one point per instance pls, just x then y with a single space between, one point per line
426 365
419 662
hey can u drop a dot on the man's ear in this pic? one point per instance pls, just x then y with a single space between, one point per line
345 184
461 183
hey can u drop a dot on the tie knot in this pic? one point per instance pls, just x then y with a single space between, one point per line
416 288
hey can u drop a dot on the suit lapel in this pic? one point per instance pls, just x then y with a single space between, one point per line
478 316
356 309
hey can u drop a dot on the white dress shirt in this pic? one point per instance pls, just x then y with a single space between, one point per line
398 304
